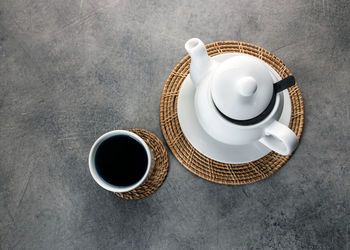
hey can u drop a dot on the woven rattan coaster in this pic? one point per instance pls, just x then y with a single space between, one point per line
199 164
160 170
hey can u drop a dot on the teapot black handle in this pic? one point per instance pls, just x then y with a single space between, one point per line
284 84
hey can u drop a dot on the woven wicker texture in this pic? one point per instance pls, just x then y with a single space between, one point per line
160 170
199 164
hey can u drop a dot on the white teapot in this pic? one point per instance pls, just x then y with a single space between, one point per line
237 102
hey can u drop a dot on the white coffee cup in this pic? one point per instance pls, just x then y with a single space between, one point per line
100 180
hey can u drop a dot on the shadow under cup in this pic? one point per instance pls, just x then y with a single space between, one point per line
120 161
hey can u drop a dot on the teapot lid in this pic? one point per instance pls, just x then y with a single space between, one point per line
242 87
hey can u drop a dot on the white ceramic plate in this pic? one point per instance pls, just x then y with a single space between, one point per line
207 145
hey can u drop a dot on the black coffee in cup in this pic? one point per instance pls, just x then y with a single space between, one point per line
121 160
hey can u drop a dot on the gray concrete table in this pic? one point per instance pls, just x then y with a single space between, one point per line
71 70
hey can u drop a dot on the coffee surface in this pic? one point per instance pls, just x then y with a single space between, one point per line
121 160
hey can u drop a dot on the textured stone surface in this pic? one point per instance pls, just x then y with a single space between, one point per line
71 70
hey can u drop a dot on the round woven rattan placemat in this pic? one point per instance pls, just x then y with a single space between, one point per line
160 170
199 164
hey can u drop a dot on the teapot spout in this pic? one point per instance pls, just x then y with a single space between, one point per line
200 61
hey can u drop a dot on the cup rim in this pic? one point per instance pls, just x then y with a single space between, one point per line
92 167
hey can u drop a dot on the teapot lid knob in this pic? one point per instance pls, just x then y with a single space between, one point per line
247 86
